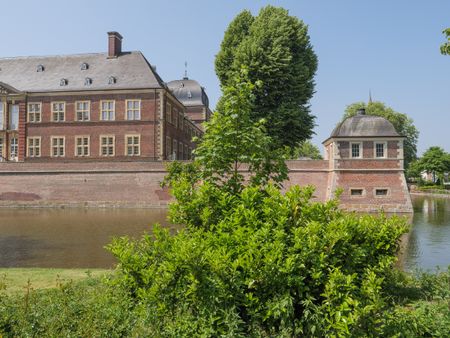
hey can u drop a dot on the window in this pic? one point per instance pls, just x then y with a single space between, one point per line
1 149
168 147
82 145
169 113
40 68
2 117
355 150
186 157
87 81
63 82
174 149
180 150
14 149
112 80
57 146
133 109
356 192
175 118
381 192
180 121
13 117
133 145
34 112
84 66
58 111
107 145
34 147
107 113
380 150
82 110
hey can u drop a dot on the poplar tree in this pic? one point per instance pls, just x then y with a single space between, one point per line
276 49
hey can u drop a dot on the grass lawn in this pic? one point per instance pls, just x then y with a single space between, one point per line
13 280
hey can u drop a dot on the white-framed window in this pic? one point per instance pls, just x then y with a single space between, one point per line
174 149
34 112
82 110
107 145
380 150
169 112
57 146
82 146
168 147
356 150
34 146
133 109
107 110
133 145
13 149
13 117
58 111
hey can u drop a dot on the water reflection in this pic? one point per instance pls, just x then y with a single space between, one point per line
429 241
68 238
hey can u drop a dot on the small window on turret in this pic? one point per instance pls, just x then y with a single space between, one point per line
355 149
380 150
40 68
84 66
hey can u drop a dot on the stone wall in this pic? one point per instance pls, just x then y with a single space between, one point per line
137 184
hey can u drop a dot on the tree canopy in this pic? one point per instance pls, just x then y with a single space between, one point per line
403 124
434 160
275 48
307 149
445 47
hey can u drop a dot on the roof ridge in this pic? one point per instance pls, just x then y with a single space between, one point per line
62 55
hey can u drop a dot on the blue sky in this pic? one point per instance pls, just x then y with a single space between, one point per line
389 47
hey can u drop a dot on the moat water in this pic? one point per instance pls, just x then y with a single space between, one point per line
75 238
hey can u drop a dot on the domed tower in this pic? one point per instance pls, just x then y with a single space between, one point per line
193 97
365 155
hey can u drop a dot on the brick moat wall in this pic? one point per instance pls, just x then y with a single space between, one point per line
137 184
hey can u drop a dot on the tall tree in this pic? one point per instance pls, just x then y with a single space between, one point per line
275 48
436 161
403 124
445 47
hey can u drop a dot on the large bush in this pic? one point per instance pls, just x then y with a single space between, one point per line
273 264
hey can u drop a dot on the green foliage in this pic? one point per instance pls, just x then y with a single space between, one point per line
234 151
87 309
402 124
434 160
271 265
276 50
307 149
445 47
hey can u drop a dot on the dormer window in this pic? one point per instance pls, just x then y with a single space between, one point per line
40 68
112 80
87 81
84 66
189 94
63 82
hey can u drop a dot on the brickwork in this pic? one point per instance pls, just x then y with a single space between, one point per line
138 184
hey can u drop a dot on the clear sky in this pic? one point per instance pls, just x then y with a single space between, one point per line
389 47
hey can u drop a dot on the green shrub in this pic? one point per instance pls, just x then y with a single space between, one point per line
273 265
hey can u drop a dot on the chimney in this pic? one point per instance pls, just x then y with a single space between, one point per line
114 44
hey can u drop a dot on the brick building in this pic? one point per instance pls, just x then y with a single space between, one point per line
365 159
91 107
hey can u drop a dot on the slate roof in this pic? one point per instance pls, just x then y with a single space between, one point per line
188 92
365 126
131 71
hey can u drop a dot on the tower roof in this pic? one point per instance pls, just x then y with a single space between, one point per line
189 92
